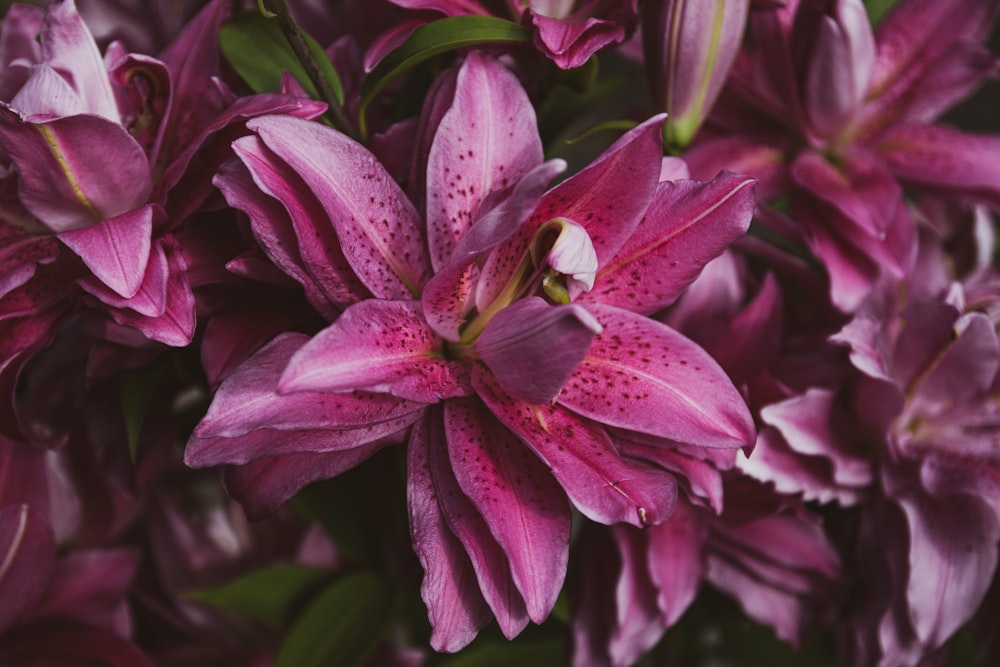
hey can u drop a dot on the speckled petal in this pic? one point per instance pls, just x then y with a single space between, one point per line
644 376
688 224
486 141
608 198
380 231
517 497
601 484
455 606
379 346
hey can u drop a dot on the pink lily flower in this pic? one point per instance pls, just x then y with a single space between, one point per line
505 335
765 550
63 608
840 119
929 393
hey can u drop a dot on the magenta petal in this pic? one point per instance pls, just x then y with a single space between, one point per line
174 325
840 67
688 224
19 46
676 561
265 484
517 497
644 376
193 61
185 187
446 296
486 141
149 300
638 622
607 198
116 250
940 158
308 229
272 227
699 477
533 347
961 372
952 557
601 484
27 552
247 406
90 585
76 170
380 231
68 47
570 42
488 559
455 606
813 425
379 346
861 190
916 33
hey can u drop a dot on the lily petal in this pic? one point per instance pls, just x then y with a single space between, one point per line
379 346
455 605
488 560
69 47
379 229
644 376
600 483
445 299
517 497
272 227
688 224
247 406
533 347
117 249
77 170
608 198
940 158
265 484
486 141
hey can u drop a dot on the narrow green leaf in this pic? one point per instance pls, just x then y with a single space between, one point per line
342 626
256 48
270 595
434 38
137 389
543 653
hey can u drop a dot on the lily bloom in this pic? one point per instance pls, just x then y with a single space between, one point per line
505 334
765 550
928 397
839 121
96 174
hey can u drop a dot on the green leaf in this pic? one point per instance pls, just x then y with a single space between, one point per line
270 595
256 48
432 39
137 389
342 626
878 8
543 653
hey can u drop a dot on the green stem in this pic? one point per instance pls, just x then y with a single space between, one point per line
278 9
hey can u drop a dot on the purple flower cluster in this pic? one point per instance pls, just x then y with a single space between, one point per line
333 343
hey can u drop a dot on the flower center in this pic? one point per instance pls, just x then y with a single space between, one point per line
559 264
